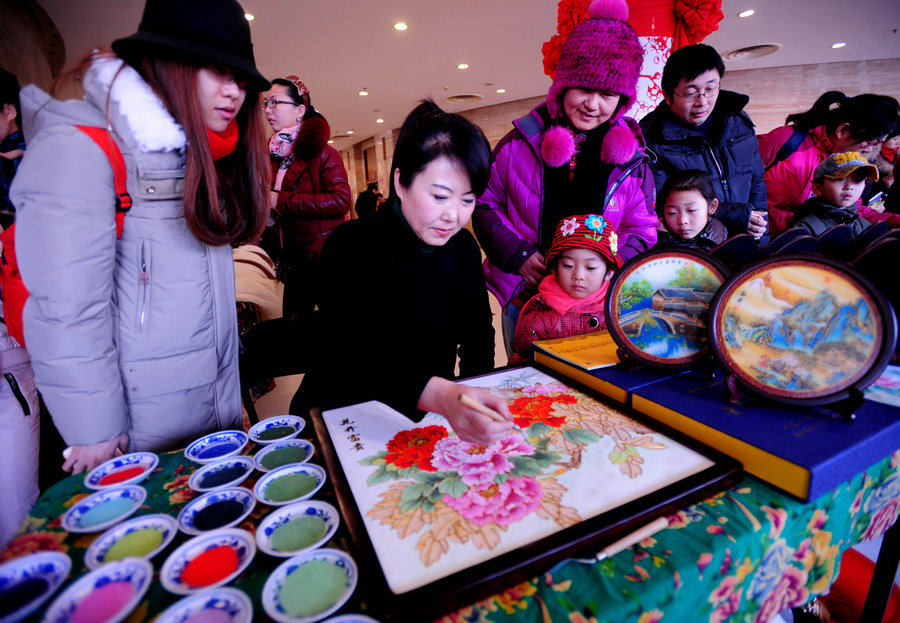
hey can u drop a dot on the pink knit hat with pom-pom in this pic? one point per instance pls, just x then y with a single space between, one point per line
601 54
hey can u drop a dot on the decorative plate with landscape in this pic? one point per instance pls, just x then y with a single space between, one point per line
802 329
657 306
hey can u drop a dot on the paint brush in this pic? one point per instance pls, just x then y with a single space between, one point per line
624 543
483 409
632 539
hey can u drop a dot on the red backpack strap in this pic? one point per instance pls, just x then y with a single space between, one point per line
108 145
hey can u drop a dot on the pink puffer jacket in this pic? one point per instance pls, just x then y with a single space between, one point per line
789 183
508 215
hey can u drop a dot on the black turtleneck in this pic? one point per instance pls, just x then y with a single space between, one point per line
396 311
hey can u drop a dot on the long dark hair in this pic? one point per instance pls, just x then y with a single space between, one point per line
429 133
225 202
868 116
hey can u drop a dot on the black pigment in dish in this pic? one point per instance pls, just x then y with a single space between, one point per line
21 594
218 514
222 476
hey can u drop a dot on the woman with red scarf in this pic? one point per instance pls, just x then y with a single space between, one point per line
134 340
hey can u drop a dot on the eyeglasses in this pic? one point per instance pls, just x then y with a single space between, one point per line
693 96
271 104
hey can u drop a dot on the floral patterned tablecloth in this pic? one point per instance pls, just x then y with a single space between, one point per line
742 555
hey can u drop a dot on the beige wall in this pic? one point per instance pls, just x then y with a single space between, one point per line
777 92
774 93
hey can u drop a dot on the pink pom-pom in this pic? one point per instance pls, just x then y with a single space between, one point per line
618 146
609 9
558 146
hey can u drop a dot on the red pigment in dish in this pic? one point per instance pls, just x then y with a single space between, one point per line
104 603
210 567
119 476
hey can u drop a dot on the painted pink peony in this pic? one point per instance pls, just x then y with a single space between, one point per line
479 465
500 504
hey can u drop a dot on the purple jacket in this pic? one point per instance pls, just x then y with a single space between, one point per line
508 214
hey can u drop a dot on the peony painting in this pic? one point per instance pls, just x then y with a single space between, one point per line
434 504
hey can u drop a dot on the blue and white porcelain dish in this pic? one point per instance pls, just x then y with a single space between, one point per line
50 567
276 421
243 464
74 519
135 571
351 618
147 461
272 588
263 484
278 445
282 515
171 573
216 446
231 601
188 515
95 555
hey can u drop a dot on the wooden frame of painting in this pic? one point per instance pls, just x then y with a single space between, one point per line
802 329
405 530
657 305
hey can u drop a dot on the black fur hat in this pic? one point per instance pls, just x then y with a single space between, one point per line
201 32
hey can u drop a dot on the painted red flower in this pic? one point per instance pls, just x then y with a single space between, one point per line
32 542
531 409
414 447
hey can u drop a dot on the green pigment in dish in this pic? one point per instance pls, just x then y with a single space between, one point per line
138 543
276 432
312 587
290 486
299 532
284 456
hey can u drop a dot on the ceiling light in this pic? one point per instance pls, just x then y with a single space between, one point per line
363 92
746 13
400 26
501 90
249 17
330 142
379 121
349 131
837 45
462 66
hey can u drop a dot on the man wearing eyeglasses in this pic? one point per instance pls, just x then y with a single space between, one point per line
701 126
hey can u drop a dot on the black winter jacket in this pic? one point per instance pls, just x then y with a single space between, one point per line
816 216
730 154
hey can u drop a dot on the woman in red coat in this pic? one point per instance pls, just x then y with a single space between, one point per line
311 194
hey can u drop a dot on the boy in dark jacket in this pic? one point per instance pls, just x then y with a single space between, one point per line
838 182
699 126
686 205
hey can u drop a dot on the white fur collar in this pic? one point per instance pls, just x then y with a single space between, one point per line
153 127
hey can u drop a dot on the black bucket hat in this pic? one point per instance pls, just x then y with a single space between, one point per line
200 32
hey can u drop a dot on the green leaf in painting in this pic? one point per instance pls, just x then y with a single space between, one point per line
580 435
538 429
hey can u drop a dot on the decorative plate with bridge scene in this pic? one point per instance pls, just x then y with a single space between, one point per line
802 329
658 303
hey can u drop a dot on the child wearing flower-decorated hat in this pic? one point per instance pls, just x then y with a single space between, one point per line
582 258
